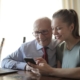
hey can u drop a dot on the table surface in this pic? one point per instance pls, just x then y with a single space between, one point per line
27 75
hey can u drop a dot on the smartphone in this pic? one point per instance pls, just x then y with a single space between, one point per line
31 60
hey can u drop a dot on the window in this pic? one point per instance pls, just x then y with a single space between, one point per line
17 18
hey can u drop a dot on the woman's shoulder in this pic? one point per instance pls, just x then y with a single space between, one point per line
62 44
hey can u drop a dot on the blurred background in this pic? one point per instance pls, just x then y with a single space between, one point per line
17 18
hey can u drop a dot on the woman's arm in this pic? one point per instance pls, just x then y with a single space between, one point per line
44 68
66 73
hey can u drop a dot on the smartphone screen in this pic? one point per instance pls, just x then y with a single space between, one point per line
31 60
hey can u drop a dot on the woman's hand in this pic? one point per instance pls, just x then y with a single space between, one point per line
43 67
40 60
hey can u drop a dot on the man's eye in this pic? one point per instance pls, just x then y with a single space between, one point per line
36 32
44 31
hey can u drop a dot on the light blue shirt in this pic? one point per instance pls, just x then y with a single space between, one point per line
29 49
69 58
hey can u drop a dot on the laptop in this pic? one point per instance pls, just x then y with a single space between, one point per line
7 71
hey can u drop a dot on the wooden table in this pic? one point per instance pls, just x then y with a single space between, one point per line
26 75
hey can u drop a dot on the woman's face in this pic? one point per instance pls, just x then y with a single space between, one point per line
61 30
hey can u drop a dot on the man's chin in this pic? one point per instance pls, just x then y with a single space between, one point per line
44 45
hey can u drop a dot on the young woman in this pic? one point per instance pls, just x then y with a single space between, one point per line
65 28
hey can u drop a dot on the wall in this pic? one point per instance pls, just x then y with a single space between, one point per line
0 10
72 4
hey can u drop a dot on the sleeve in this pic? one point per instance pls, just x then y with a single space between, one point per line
14 60
60 49
58 53
79 58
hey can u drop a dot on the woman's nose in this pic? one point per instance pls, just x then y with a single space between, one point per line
54 32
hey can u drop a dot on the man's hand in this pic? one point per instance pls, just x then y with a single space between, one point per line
34 70
28 68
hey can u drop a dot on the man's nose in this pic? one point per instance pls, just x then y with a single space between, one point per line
40 35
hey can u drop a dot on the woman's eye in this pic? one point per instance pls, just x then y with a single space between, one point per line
58 28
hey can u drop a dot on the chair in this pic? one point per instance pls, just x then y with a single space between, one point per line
24 39
1 46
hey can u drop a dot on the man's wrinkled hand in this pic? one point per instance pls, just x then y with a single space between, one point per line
28 68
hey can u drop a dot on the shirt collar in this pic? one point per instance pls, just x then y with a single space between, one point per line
38 46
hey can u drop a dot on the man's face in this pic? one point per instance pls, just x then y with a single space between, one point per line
43 33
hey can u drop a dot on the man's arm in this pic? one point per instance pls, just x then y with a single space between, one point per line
14 61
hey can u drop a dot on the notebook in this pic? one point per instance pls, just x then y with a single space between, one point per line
7 71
